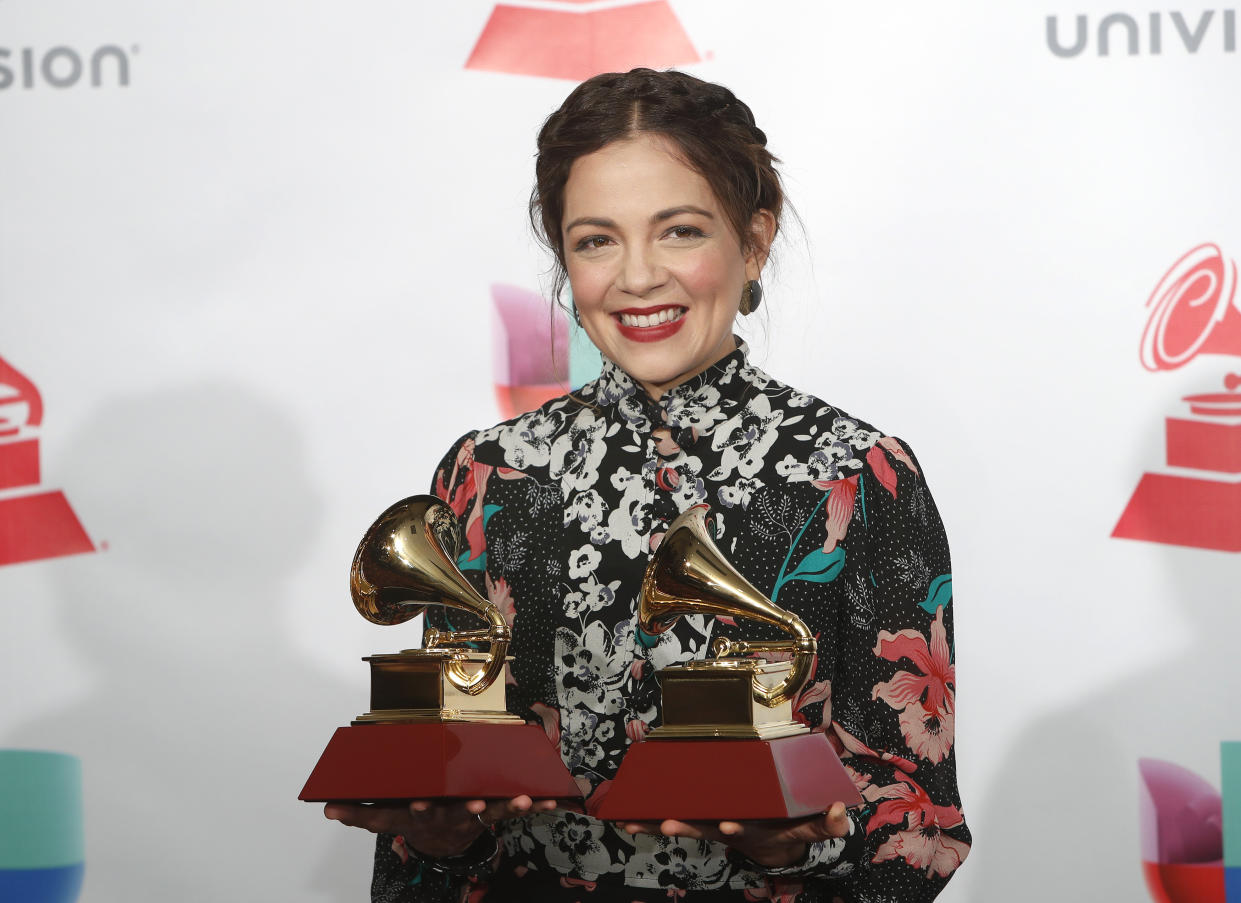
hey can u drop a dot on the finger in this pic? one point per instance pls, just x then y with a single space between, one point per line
837 822
672 828
731 828
372 818
639 827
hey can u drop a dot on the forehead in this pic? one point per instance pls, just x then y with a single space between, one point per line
634 179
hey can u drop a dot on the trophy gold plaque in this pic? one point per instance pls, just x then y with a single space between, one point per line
437 726
728 747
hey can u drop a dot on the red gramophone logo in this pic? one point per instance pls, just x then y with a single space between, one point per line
1196 500
34 523
582 39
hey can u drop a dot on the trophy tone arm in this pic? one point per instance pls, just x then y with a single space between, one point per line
497 635
804 647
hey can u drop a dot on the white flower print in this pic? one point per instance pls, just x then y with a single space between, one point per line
590 670
848 430
587 508
574 844
629 522
583 562
699 410
528 442
576 453
740 492
745 439
592 596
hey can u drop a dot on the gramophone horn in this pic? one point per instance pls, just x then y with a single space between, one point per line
689 575
407 561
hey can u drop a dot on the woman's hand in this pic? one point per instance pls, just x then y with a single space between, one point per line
435 828
774 844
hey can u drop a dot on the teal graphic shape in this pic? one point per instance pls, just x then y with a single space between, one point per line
41 841
40 810
57 885
939 593
1230 790
585 362
817 567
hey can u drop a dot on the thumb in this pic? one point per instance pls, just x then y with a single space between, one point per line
836 822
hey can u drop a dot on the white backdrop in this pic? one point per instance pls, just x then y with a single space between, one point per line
253 288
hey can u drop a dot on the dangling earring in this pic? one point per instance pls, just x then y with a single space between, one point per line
751 297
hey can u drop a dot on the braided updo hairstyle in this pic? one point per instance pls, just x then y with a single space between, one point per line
713 130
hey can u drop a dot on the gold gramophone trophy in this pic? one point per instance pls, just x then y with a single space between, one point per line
728 747
437 727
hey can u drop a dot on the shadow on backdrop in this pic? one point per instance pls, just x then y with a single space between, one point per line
201 722
1061 822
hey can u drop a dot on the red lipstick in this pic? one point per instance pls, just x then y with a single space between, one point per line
650 333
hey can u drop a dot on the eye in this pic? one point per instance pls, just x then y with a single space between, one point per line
591 243
685 232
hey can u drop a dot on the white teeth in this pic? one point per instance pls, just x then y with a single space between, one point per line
667 315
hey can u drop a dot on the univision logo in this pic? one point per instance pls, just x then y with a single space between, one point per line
1122 32
64 67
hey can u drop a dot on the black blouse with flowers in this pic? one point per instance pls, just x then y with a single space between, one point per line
560 509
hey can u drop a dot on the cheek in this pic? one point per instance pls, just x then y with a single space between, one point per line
589 286
712 276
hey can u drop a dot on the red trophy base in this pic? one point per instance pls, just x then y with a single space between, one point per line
712 780
1184 511
446 759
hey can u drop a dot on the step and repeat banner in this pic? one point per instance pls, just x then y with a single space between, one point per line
261 262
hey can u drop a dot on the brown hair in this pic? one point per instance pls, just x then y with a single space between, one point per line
714 131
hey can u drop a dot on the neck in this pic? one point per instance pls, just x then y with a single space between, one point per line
656 390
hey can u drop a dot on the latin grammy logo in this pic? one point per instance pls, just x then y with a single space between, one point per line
1196 500
581 39
34 523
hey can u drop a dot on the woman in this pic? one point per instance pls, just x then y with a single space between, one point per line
658 198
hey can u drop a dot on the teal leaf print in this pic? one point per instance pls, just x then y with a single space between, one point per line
478 564
818 567
939 593
489 510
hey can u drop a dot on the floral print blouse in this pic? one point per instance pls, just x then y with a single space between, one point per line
560 509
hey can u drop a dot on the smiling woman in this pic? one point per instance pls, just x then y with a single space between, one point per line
657 196
656 287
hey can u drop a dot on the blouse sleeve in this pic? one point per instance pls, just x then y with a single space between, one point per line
399 876
892 697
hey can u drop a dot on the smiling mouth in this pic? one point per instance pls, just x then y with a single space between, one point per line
658 318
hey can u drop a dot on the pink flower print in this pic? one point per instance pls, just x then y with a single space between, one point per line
882 470
784 890
928 849
566 881
458 497
665 445
848 746
636 729
501 596
893 445
479 474
401 850
921 841
926 698
551 721
667 478
839 508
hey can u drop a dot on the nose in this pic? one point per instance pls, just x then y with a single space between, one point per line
640 271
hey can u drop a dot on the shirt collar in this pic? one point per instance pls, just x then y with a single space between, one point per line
697 402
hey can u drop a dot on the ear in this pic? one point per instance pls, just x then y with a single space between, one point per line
758 245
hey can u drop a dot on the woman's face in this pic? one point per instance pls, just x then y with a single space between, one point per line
655 267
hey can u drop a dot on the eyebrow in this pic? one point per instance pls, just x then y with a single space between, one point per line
662 215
